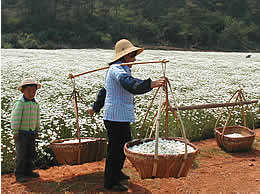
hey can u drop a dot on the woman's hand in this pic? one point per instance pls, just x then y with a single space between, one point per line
91 111
158 83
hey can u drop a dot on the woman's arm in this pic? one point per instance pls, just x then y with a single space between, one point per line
134 85
100 101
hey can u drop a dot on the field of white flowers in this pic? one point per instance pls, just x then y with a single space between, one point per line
196 78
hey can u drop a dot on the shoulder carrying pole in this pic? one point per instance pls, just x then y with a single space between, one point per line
123 64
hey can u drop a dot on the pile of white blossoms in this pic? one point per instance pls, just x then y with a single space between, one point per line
77 141
169 147
234 135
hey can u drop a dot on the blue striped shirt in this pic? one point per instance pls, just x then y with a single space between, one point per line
119 103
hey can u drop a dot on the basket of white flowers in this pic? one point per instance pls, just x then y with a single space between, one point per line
171 161
72 151
81 149
162 157
234 138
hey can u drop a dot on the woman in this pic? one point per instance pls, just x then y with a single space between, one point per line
118 99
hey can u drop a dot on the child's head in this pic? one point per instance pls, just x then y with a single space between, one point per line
29 87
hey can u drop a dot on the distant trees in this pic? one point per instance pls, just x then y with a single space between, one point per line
215 24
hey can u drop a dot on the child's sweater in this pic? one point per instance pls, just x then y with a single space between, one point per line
25 116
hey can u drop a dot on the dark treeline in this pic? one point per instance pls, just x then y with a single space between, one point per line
227 25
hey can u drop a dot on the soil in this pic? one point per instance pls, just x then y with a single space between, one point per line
214 171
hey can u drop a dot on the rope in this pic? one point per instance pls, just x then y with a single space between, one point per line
157 125
155 164
141 130
77 116
182 128
222 111
247 107
155 116
238 95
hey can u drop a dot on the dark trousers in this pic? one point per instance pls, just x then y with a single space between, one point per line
25 150
118 134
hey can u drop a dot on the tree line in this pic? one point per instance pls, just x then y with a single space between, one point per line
232 25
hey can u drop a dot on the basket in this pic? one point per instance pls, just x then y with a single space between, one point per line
168 165
235 144
75 153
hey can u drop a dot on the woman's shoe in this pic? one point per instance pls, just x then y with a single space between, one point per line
117 187
21 179
123 176
33 175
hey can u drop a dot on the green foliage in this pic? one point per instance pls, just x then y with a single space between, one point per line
8 150
20 40
27 41
198 124
106 39
235 34
223 25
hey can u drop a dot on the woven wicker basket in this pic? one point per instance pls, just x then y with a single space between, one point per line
168 165
235 144
67 153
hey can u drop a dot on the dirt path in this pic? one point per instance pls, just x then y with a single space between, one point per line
216 171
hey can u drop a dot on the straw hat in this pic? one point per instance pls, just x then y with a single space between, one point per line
124 47
28 81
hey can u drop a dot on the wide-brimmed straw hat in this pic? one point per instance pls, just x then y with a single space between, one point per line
124 47
28 81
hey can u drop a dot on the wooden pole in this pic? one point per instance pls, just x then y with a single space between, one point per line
77 117
77 123
123 64
76 113
206 106
167 112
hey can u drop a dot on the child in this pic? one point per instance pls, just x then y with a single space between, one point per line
25 123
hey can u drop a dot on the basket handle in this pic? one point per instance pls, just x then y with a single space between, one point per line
146 114
179 120
217 121
240 96
155 164
182 129
229 115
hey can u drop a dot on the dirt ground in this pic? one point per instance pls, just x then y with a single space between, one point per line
214 171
